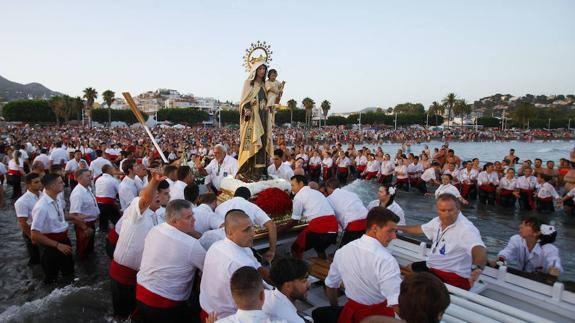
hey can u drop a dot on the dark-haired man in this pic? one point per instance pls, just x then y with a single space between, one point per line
290 279
349 210
185 178
83 204
106 191
128 189
97 164
458 254
23 207
278 167
373 287
310 205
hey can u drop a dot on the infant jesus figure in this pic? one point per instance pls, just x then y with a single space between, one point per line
274 89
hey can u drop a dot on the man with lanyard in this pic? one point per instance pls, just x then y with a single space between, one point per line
24 206
311 206
170 261
349 210
371 288
138 219
290 279
222 260
221 166
83 205
457 254
50 230
107 188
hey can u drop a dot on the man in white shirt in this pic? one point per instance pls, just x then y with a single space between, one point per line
138 219
247 289
107 188
312 207
97 164
72 166
169 264
290 279
205 217
458 254
128 189
84 205
171 173
59 155
429 176
222 260
349 210
278 168
221 166
49 230
256 214
23 207
373 287
185 178
43 158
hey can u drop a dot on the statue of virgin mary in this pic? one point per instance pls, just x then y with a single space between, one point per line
256 144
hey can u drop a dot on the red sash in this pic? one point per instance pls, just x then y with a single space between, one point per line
488 187
466 188
361 168
401 180
370 175
122 274
154 300
357 225
415 180
322 224
105 200
545 199
83 240
314 166
504 192
530 199
354 312
14 172
113 236
452 278
326 173
61 237
203 315
342 169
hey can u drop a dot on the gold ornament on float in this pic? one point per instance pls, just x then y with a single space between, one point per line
256 53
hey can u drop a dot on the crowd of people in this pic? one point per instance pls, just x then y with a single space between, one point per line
178 254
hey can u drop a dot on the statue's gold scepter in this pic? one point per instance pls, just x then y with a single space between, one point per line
140 118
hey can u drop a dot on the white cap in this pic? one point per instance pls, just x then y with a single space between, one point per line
547 229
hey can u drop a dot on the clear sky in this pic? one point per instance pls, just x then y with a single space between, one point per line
355 54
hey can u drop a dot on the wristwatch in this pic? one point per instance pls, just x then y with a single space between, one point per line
474 267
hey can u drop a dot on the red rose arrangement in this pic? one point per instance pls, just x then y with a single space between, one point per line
275 202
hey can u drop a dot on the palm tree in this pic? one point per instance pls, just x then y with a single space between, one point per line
108 97
90 94
449 103
292 105
436 109
461 109
524 111
56 103
308 105
325 106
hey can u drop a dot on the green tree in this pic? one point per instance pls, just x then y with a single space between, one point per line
90 94
325 107
461 109
523 112
28 111
56 103
308 105
108 97
449 103
436 109
409 108
292 105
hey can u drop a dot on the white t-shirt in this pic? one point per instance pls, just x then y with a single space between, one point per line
169 262
44 159
135 228
278 305
177 190
25 204
484 178
507 184
256 214
451 247
97 164
387 167
428 175
127 191
107 186
210 237
546 190
284 171
58 155
222 260
48 216
368 270
83 202
206 218
347 206
310 204
252 316
540 259
526 183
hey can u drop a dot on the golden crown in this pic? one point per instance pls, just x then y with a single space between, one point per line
261 48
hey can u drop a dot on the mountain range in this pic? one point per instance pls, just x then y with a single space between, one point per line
10 91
